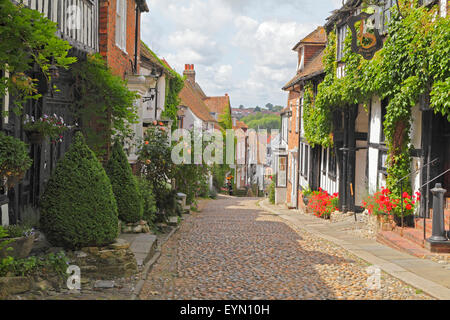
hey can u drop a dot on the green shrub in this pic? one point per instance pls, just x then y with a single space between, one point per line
148 201
78 207
50 264
17 231
167 203
213 193
14 158
272 192
124 185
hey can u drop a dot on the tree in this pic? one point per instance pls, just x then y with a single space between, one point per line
124 185
78 207
241 107
257 109
277 108
269 106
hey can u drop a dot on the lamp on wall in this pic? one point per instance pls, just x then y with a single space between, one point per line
151 96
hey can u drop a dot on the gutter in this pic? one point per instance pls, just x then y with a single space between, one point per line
136 35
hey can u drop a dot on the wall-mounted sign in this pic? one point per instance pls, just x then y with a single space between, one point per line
366 40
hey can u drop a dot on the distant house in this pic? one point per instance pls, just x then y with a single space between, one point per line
155 98
193 110
240 129
303 167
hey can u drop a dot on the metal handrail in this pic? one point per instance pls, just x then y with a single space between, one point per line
425 216
440 175
406 176
417 170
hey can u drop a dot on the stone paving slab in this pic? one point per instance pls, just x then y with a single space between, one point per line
426 275
143 245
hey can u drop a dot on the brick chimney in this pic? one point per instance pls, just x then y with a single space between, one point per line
189 72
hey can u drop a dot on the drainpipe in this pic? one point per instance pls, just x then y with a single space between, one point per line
136 35
156 100
298 150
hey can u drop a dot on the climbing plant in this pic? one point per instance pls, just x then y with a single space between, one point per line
174 84
413 62
104 103
27 38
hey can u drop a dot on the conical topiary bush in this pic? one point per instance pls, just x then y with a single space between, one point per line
78 207
125 186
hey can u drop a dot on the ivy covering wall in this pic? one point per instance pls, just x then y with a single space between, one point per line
413 62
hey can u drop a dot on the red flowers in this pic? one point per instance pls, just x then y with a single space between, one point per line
323 204
385 203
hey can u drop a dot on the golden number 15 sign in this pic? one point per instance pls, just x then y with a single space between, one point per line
366 39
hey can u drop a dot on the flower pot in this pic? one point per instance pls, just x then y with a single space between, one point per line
21 247
305 201
35 137
14 180
385 223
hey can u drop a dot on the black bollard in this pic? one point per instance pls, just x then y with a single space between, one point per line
439 233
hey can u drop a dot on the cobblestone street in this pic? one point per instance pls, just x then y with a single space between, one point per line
232 249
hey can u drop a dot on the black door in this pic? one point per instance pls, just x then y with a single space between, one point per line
24 197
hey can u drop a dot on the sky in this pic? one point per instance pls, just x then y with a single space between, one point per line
239 47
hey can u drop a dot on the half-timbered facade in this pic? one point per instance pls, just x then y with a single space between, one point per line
359 133
78 24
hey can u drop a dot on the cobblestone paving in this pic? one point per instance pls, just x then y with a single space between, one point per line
234 250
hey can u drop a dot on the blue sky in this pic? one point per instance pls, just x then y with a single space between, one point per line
239 47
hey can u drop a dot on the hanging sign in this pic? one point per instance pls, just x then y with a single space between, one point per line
366 40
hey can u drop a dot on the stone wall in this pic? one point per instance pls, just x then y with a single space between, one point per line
109 262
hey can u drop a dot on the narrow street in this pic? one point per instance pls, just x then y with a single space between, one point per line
232 249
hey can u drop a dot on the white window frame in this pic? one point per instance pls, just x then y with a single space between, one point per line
121 24
301 62
302 128
341 35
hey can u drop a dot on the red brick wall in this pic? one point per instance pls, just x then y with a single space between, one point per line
293 136
120 62
311 51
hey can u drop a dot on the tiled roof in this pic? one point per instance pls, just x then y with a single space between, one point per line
199 90
318 36
313 68
147 54
219 105
191 99
240 125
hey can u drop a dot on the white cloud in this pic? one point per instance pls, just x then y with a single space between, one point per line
242 47
269 44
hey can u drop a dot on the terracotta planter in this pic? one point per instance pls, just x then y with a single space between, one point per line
21 247
35 137
385 223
